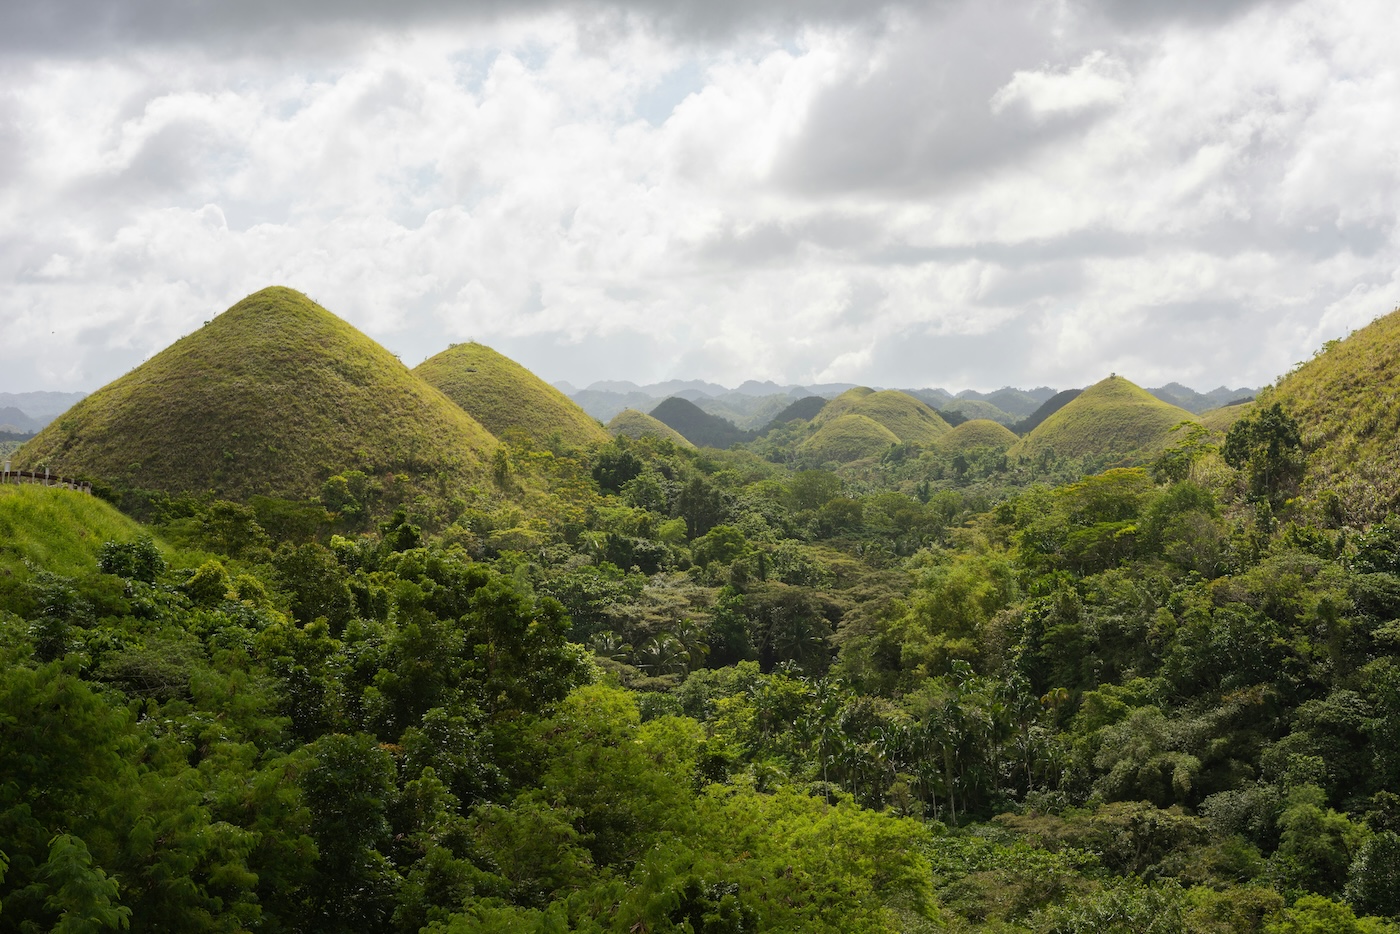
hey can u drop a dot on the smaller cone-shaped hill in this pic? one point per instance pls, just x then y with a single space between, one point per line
270 397
848 438
504 396
978 433
1113 422
697 426
1346 400
636 424
908 419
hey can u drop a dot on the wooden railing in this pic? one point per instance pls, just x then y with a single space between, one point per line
43 479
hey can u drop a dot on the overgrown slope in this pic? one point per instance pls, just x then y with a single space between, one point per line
58 530
504 396
271 397
1347 404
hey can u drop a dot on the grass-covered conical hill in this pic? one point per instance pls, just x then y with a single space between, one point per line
908 419
1113 422
504 396
270 397
636 424
1346 400
847 438
978 433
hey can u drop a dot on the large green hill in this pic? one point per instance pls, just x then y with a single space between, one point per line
270 397
1113 422
504 396
1347 404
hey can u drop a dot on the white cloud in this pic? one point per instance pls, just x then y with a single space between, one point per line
961 194
1099 80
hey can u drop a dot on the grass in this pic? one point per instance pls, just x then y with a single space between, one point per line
978 433
908 418
636 424
271 397
1112 423
504 396
847 438
58 530
843 403
1222 418
1346 400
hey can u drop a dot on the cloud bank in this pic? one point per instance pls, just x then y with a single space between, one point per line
958 194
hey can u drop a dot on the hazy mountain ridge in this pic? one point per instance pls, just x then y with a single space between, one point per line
748 404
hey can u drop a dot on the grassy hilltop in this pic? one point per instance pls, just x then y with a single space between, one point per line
504 396
1111 422
907 418
847 438
636 424
978 433
271 397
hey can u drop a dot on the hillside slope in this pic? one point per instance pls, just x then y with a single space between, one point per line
270 397
805 408
1113 422
1047 408
504 396
1347 404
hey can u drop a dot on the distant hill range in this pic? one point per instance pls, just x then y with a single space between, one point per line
27 412
755 406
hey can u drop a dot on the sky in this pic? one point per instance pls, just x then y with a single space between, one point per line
951 193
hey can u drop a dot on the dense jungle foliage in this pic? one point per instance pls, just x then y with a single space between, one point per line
643 688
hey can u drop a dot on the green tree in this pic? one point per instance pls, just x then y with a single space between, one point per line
1268 447
349 789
